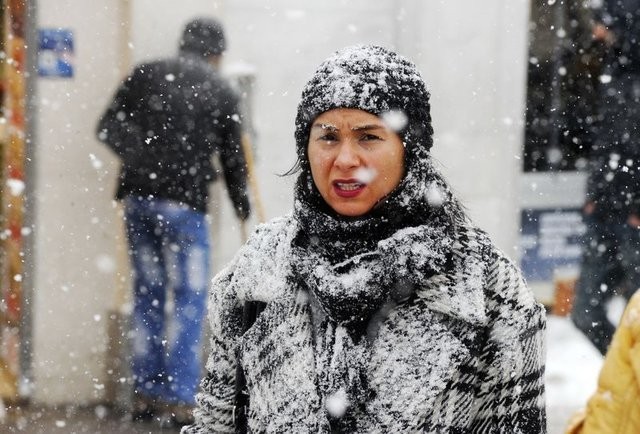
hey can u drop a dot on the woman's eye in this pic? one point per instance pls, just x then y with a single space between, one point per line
327 137
369 137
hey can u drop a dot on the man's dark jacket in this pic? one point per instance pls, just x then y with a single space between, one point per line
614 178
166 121
622 18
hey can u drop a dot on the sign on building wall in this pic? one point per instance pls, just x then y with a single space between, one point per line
552 250
55 53
550 240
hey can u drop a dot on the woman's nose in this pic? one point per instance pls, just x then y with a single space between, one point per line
347 156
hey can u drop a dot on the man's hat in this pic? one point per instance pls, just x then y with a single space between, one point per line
204 37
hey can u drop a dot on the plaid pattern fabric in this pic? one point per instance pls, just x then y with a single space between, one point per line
465 356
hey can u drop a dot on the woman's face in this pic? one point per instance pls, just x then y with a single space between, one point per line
356 160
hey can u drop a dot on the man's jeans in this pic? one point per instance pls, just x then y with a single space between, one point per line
169 249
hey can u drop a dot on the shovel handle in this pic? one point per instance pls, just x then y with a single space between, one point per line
251 175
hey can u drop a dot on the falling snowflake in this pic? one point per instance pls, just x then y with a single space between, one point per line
435 196
395 120
365 175
337 403
605 78
95 161
16 186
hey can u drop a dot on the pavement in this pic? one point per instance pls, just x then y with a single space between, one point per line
78 420
100 420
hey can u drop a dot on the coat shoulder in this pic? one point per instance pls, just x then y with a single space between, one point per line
506 293
504 280
262 264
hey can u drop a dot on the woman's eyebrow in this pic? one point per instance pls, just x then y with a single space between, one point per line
367 127
328 127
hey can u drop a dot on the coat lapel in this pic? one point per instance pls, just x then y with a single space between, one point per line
278 360
420 347
458 290
412 365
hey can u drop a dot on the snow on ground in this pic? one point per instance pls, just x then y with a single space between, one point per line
573 365
572 371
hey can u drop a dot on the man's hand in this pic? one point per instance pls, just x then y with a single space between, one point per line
634 221
601 33
589 208
243 209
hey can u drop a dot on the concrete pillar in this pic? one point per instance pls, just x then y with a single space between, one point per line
473 56
75 220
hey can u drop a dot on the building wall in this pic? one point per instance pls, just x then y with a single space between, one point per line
475 69
75 223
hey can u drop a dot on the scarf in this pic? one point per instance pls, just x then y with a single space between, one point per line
357 270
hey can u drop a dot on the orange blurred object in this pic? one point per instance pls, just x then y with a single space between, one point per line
564 291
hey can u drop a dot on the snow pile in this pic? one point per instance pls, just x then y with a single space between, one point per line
573 365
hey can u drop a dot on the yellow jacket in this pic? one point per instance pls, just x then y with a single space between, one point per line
615 407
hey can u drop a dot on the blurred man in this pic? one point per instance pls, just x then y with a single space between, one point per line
167 119
611 259
562 73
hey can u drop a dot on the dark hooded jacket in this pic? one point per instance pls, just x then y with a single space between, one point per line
622 18
166 121
614 178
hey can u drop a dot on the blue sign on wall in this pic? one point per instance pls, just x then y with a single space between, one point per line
550 240
55 55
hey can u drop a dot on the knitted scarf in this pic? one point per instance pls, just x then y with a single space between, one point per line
357 269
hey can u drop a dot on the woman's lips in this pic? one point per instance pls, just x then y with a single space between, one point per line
348 188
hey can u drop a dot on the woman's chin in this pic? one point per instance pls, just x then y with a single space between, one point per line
350 209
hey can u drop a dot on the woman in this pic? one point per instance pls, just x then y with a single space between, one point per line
615 407
385 310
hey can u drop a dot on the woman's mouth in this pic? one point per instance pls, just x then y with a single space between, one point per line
348 188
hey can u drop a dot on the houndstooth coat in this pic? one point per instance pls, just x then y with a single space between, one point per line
463 356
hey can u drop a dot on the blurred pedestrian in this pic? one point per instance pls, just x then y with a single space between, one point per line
564 63
615 407
611 259
166 121
383 308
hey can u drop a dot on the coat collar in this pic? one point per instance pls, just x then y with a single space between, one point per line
458 289
279 362
446 268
